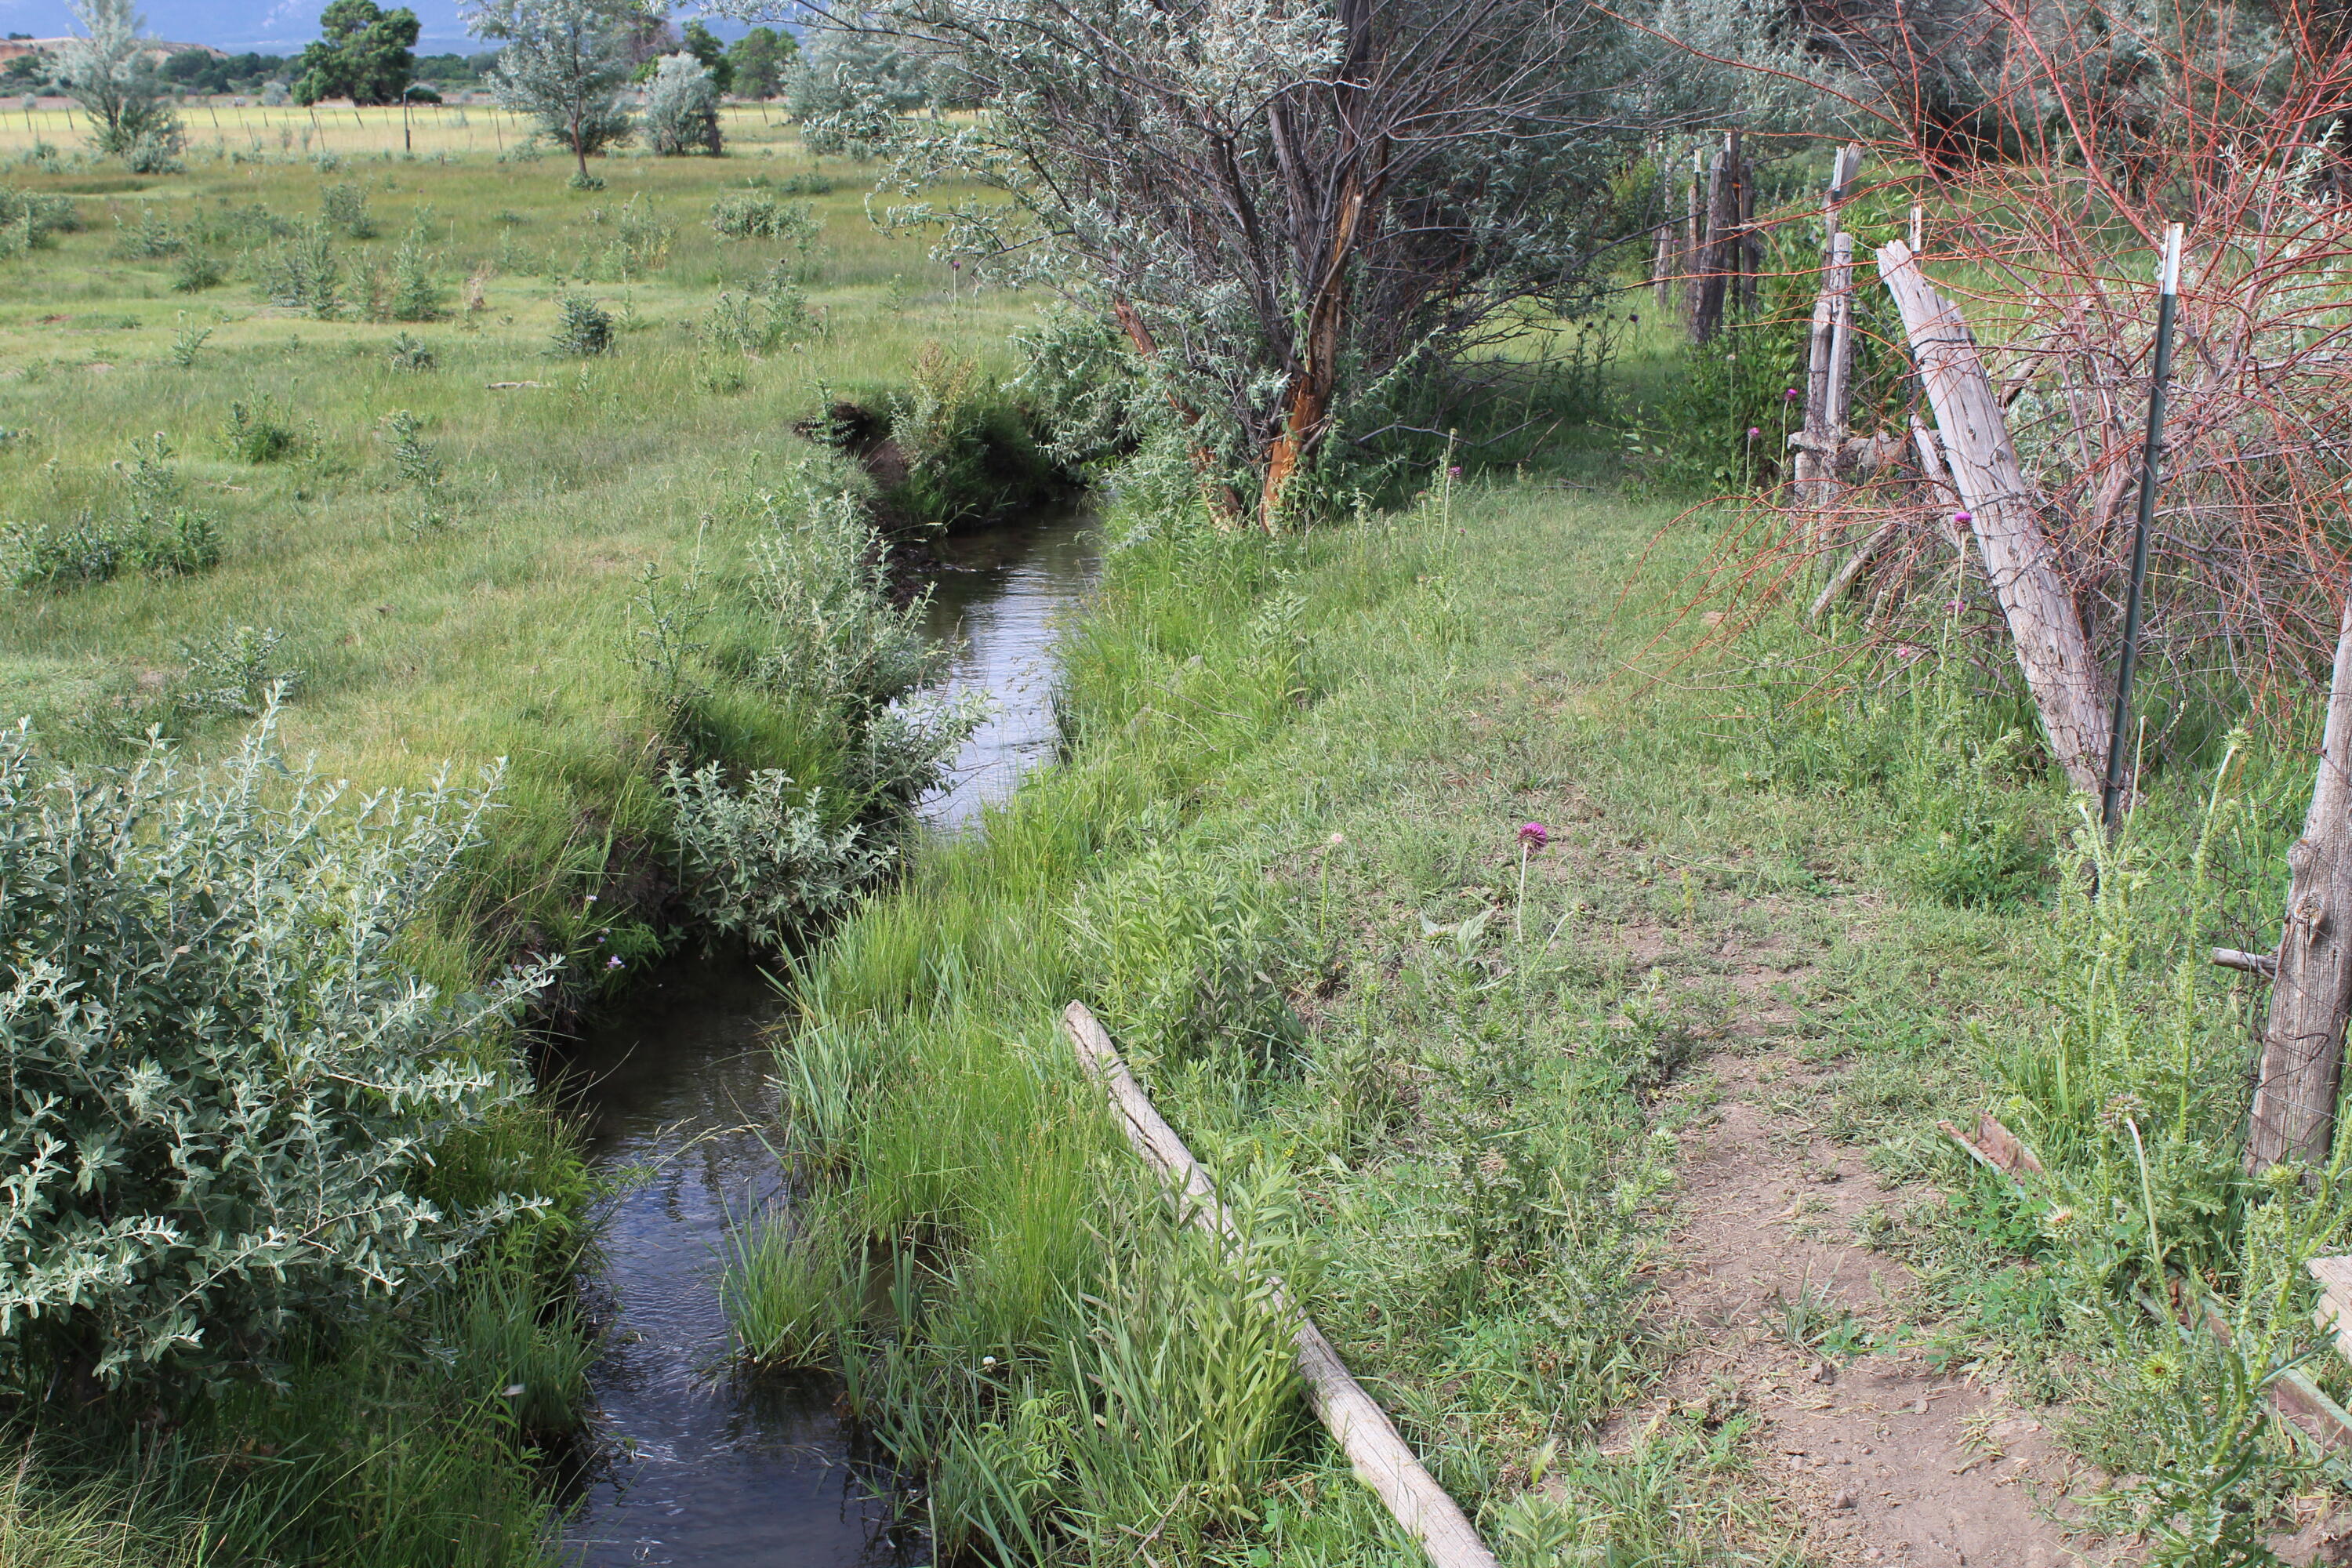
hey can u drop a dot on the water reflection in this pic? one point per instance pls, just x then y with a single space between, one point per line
1005 592
677 1094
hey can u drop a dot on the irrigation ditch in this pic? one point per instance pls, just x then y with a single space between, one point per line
692 1464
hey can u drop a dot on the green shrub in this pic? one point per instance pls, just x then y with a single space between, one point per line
641 241
971 457
411 354
759 324
236 671
585 329
303 273
42 214
153 236
826 620
345 209
260 432
415 293
759 216
220 1112
759 861
158 533
196 270
1187 954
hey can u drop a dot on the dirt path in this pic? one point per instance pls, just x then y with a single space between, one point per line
1876 1457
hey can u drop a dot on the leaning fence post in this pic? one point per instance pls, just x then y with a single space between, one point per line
2151 460
2045 629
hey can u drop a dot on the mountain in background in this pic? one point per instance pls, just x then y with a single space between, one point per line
280 27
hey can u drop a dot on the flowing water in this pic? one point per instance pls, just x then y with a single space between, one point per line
702 1469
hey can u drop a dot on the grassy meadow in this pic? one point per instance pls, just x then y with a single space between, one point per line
1459 1081
496 607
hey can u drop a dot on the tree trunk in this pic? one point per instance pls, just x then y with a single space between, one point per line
1694 238
1662 267
1306 407
2043 624
2310 992
1746 245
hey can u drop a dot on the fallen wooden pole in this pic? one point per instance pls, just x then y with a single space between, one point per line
1357 1422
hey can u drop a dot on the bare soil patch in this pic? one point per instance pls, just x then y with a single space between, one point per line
1776 1309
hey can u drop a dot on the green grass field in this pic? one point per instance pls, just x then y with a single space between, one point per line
506 629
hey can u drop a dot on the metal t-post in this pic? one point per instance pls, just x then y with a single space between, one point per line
2167 300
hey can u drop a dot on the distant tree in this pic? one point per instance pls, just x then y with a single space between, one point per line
704 45
564 64
364 54
113 76
759 60
682 107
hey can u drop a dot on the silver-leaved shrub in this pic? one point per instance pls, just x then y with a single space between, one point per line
222 1087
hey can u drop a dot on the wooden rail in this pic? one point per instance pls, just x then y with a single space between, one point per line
1357 1422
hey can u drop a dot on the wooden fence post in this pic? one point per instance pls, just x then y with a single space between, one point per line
1706 272
1828 349
2043 624
2302 1068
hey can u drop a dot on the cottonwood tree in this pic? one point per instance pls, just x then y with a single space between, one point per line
365 53
111 73
1281 204
565 64
759 60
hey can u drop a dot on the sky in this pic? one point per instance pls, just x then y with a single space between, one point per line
270 27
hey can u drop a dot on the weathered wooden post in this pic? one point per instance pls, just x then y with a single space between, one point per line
1747 243
1721 244
1829 350
2043 625
2302 1068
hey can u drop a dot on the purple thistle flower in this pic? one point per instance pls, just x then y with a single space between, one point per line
1963 517
1534 835
1791 395
1454 472
1753 432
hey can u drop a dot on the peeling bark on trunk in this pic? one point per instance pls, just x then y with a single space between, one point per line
2302 1068
2043 624
1306 407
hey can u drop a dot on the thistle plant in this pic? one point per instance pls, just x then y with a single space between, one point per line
221 1115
